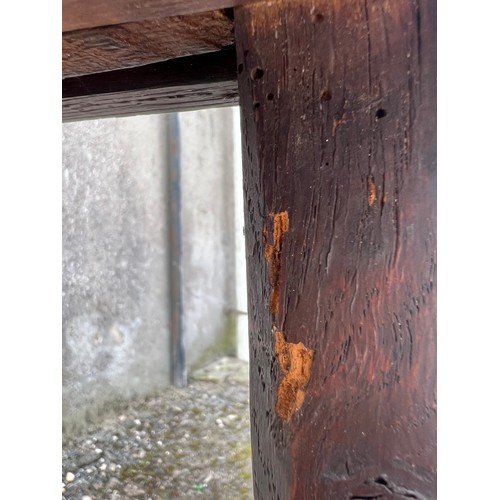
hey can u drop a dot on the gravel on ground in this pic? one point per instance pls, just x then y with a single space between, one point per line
182 443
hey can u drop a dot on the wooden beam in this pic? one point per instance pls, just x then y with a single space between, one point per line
339 143
136 44
181 84
77 15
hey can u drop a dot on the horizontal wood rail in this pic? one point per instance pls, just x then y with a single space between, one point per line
135 44
180 84
79 15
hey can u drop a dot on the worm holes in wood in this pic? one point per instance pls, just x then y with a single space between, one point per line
317 18
380 113
270 96
325 95
240 68
256 73
381 480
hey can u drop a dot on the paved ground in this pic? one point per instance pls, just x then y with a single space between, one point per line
189 443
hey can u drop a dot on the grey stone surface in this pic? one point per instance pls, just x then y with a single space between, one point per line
183 443
115 255
115 324
209 293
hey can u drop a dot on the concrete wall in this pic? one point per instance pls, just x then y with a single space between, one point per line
239 243
115 324
209 293
115 258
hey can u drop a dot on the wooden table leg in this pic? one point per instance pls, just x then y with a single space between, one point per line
338 106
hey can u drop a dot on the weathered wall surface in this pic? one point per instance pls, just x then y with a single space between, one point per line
239 243
115 324
208 232
115 254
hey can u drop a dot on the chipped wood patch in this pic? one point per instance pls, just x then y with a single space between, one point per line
273 257
372 191
295 362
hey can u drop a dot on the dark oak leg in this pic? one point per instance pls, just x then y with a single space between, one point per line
338 106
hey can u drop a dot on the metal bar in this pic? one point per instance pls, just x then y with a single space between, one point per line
178 373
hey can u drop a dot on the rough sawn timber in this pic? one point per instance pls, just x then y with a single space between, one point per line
339 141
127 45
77 15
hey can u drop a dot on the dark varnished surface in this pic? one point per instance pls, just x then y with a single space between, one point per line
339 130
175 85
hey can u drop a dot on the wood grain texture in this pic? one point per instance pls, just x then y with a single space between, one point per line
135 44
77 15
339 131
180 84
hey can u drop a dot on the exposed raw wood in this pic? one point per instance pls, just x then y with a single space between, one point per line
182 84
135 44
77 14
339 142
